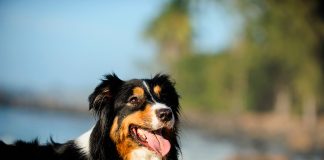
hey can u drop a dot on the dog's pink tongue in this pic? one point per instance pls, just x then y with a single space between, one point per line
157 142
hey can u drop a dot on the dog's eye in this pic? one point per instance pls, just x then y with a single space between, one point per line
134 100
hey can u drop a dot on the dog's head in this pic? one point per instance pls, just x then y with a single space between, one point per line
138 117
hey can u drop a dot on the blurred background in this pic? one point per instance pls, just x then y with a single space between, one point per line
250 73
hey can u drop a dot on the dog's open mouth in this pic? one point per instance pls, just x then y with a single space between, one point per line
153 140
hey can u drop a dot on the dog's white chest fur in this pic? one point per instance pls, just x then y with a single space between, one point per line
144 154
83 142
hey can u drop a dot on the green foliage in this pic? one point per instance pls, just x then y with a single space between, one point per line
282 39
275 64
206 81
171 30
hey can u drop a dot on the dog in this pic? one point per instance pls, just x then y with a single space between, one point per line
136 120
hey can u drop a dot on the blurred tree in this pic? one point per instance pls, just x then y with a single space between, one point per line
172 30
283 36
277 64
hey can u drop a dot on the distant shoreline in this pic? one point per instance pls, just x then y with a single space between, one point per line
75 110
262 130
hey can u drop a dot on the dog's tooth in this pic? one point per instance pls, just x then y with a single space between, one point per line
139 131
144 137
141 134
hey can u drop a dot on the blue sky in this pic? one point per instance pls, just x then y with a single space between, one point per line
47 45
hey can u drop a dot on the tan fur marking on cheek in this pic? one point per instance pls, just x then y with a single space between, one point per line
113 130
126 144
126 147
139 118
157 90
146 114
138 91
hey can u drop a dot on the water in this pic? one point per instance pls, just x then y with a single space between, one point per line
28 124
196 146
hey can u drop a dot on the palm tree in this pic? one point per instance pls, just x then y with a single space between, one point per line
172 31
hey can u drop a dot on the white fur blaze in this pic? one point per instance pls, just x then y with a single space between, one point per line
156 123
83 142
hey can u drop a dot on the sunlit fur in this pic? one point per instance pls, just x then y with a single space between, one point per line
116 109
120 134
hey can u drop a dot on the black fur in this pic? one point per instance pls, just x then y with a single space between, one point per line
33 151
106 102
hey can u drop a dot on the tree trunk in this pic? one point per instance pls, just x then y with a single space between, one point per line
282 103
309 112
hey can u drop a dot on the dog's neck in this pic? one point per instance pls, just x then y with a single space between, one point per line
145 154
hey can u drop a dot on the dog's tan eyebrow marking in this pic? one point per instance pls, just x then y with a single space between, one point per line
138 91
148 90
157 90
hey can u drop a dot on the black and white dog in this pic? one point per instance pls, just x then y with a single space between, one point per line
137 120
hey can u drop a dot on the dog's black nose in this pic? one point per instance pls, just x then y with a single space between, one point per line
164 114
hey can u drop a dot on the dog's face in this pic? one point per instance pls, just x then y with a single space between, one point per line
140 115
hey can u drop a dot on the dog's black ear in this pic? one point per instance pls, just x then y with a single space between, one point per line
104 93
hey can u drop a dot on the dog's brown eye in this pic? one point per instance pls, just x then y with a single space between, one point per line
134 100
